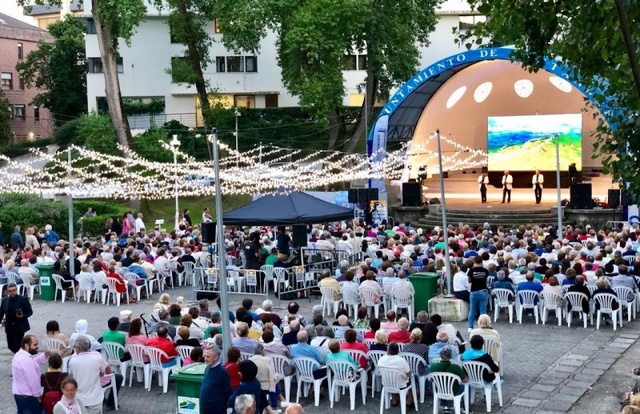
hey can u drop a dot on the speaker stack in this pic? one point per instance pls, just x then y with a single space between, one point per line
299 236
581 196
362 195
613 198
208 233
411 196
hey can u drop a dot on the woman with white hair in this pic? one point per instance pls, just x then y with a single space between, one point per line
485 330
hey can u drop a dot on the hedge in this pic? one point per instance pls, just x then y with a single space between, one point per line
95 226
27 210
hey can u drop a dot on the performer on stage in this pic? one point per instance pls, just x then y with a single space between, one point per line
507 185
573 173
483 181
537 181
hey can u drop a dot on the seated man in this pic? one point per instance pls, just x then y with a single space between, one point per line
344 325
27 273
165 344
391 324
402 335
327 281
445 365
290 338
579 286
303 349
442 341
394 361
501 282
530 284
242 341
476 353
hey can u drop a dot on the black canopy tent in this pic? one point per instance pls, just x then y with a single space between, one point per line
286 209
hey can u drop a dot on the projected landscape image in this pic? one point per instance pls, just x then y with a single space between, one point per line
526 143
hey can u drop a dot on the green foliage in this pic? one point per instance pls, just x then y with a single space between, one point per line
599 47
95 226
96 131
147 145
67 134
58 70
181 71
26 210
138 107
5 118
22 148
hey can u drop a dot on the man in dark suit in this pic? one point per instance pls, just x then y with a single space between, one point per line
17 310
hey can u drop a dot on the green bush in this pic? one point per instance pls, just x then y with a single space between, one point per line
98 133
22 148
147 146
26 210
102 208
67 134
94 226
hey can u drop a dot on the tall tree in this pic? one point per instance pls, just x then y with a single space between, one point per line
314 35
58 70
5 117
599 46
114 20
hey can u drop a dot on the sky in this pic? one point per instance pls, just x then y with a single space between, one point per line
10 7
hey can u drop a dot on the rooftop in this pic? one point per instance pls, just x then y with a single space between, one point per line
8 21
38 10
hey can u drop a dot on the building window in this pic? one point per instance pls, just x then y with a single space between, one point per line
244 101
36 113
91 26
362 62
7 80
271 100
95 65
235 64
467 22
220 64
20 51
19 112
21 83
251 63
216 27
352 61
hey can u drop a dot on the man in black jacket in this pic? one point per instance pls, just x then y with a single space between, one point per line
17 310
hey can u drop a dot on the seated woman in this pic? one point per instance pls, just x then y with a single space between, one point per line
335 354
484 329
381 340
603 287
163 303
196 355
121 284
135 335
416 347
185 339
374 326
477 354
53 331
231 365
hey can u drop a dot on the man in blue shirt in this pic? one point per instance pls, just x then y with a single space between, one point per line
303 349
443 340
530 284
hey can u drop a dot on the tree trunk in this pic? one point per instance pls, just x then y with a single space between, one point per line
336 128
628 41
109 56
371 93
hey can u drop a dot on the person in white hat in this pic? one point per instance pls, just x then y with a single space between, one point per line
125 320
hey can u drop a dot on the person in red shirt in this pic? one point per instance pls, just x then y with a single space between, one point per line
231 365
121 286
163 343
402 335
350 342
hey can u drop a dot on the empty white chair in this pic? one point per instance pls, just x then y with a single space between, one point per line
625 299
112 351
155 365
343 374
374 357
281 275
393 381
304 374
605 301
369 297
351 300
442 386
138 353
328 300
111 387
268 277
63 292
281 363
133 280
492 347
474 370
529 299
403 299
548 303
417 363
503 299
575 299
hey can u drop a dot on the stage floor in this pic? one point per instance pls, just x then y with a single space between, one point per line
461 192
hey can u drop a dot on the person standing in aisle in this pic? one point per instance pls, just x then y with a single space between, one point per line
16 310
537 181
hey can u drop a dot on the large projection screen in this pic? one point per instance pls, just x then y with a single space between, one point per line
527 143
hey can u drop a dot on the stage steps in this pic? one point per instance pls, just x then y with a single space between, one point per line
474 218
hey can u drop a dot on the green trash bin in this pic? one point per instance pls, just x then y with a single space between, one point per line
188 383
47 284
426 287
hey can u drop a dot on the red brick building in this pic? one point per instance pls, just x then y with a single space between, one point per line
17 39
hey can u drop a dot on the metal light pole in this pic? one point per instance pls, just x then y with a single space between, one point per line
447 261
222 265
558 189
237 114
175 144
70 207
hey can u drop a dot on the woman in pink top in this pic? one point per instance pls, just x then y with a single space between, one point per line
134 336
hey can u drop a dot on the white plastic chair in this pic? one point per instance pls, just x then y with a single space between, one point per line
374 357
492 347
328 301
184 351
86 286
358 356
155 365
57 344
280 362
150 283
343 374
369 297
13 278
280 274
605 300
548 303
133 279
112 351
503 299
442 387
474 370
528 298
244 356
113 388
624 293
393 383
112 291
403 300
268 277
186 276
351 300
138 353
28 287
575 299
304 374
59 288
416 362
101 280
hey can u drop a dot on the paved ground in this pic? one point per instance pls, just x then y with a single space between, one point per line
547 368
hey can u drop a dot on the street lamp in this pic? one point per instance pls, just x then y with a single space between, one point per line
175 144
447 262
237 114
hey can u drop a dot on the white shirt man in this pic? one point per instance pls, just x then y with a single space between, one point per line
139 223
345 245
507 185
87 368
537 181
402 284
